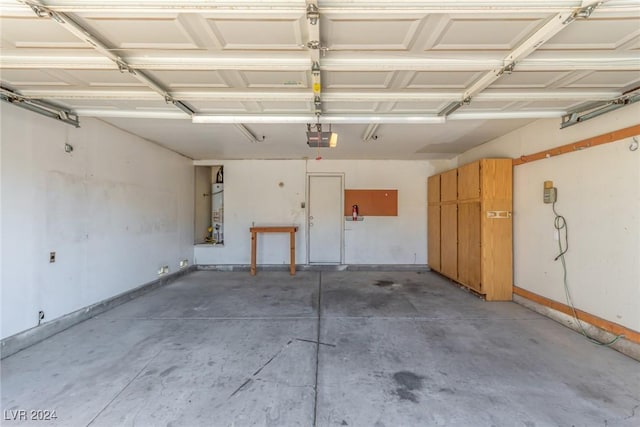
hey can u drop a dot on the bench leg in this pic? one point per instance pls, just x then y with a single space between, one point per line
253 253
292 247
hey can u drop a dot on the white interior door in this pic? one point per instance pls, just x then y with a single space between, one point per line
325 219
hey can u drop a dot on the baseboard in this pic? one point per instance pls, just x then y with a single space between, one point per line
317 267
600 329
22 340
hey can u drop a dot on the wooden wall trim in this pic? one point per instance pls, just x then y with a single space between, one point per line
599 322
580 145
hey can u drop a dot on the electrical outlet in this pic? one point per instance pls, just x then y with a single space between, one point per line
52 257
184 263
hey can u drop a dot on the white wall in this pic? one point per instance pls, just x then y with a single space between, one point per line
599 194
114 210
386 240
253 195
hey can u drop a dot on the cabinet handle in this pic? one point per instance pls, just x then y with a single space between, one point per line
499 214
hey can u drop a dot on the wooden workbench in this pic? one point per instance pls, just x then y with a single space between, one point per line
281 229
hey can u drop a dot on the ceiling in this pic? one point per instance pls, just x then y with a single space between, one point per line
424 79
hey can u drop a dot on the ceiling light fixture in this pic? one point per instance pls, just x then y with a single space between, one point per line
302 119
247 133
505 115
325 118
370 132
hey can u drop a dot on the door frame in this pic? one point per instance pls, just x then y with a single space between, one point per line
307 221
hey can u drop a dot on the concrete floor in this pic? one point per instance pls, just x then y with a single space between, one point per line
396 349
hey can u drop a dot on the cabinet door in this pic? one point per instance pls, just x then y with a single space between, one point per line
497 237
433 189
497 180
469 255
469 181
449 240
449 186
433 237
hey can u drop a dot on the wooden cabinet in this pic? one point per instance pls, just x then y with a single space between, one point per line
469 181
433 190
469 245
433 218
449 186
448 240
470 226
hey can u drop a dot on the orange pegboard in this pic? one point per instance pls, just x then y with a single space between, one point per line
371 202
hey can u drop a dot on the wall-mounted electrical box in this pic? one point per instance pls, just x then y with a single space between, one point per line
550 194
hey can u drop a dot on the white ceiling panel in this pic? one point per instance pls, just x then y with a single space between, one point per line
189 79
610 79
354 79
285 107
479 105
253 34
219 107
30 78
596 34
149 33
115 105
370 34
100 78
350 107
430 107
72 79
275 79
564 105
38 33
406 61
469 34
529 79
441 79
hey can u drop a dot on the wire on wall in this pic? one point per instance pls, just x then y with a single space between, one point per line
562 228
